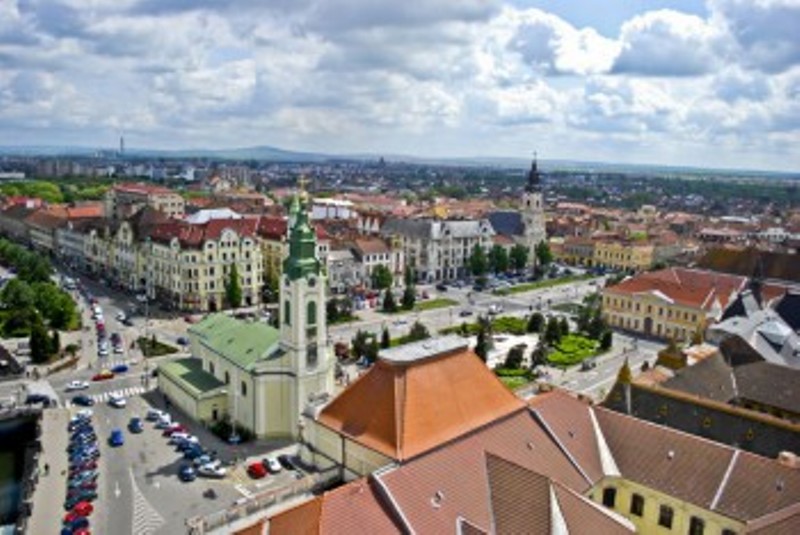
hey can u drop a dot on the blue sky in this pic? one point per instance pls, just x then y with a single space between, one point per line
704 83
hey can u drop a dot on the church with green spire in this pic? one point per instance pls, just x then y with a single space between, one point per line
257 376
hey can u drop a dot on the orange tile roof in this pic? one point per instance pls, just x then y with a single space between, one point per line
689 287
418 405
142 188
352 508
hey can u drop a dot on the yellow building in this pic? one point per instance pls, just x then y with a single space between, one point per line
623 255
669 303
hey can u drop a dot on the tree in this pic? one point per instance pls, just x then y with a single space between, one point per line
514 357
418 332
389 304
18 294
386 339
539 355
233 289
518 257
697 336
332 310
482 345
381 277
596 327
498 259
478 264
552 334
55 343
40 343
535 323
371 350
606 339
359 343
410 291
271 290
543 254
563 325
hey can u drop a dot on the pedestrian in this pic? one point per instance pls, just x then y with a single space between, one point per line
46 468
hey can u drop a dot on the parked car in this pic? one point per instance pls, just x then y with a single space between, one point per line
183 341
103 375
287 462
153 415
173 428
120 316
178 437
135 425
117 401
118 350
272 465
83 496
256 470
82 400
80 522
116 439
115 338
164 422
187 473
212 470
203 460
33 399
127 322
464 313
193 452
120 368
76 385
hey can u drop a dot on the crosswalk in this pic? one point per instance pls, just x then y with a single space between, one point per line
103 397
146 519
243 490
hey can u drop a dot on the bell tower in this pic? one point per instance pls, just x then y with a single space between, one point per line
303 325
533 211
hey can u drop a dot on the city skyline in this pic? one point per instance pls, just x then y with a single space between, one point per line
686 83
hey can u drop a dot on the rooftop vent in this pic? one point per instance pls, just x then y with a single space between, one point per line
670 455
789 459
436 500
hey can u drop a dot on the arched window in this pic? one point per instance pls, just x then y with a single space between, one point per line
227 378
211 368
244 388
286 310
311 311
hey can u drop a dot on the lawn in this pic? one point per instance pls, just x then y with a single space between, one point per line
439 302
573 349
512 383
344 319
502 324
528 286
157 349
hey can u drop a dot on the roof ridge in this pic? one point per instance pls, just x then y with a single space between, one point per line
724 482
607 461
540 418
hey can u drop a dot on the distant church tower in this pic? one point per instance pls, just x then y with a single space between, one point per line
533 211
303 324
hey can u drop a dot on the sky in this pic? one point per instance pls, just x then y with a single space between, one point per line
683 82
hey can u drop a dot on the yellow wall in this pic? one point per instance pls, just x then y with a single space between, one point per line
359 461
648 522
669 320
623 256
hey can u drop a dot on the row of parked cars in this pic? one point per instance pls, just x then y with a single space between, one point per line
83 452
201 461
271 465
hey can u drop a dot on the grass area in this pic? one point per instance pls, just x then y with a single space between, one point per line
549 283
439 302
569 308
512 383
344 319
573 349
513 379
501 324
157 349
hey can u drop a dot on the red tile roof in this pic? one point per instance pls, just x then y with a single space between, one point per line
141 188
402 422
191 235
352 508
690 287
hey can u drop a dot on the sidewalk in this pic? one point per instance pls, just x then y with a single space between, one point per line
48 499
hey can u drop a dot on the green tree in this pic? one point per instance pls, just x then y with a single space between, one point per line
389 304
417 332
543 254
371 350
40 343
482 345
360 342
596 327
539 355
332 313
498 259
381 277
535 323
271 289
386 339
552 334
55 343
410 291
18 294
518 257
563 325
606 339
233 289
478 264
514 357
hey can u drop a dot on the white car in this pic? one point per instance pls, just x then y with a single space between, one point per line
117 401
154 415
273 465
77 385
212 470
85 413
120 316
118 350
174 438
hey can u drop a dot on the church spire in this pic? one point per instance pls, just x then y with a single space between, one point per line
534 178
302 260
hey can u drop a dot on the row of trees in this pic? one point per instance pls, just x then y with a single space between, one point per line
366 344
29 266
499 260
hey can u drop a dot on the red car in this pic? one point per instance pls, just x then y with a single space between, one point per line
90 465
256 470
103 375
174 428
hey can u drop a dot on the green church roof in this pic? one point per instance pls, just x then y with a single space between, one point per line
189 373
245 344
302 260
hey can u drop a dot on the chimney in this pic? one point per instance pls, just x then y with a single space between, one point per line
789 459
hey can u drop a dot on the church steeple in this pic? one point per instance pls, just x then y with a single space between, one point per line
534 178
302 260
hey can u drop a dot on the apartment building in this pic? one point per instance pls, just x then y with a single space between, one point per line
124 200
374 252
670 303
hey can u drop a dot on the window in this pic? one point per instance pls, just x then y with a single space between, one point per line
609 496
227 378
311 312
244 388
286 310
211 368
696 526
637 504
665 516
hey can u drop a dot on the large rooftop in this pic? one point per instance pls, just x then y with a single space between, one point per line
424 349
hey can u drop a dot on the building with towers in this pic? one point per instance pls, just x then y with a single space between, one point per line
258 376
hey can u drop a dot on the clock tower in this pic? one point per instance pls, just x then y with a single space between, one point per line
303 325
533 212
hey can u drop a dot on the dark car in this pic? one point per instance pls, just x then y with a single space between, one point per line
441 287
80 522
127 322
33 399
120 368
116 338
183 341
83 400
287 462
84 496
193 453
187 473
135 425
